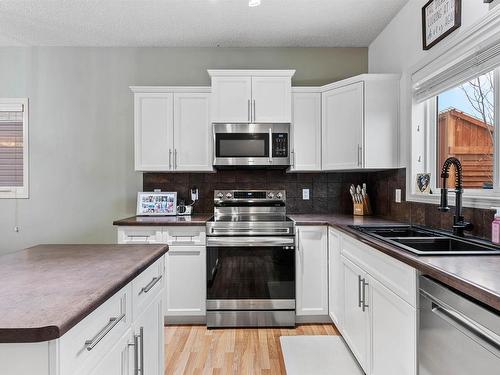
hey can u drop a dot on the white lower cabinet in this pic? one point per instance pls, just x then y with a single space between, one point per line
117 361
311 271
148 339
355 328
380 317
393 332
186 281
335 278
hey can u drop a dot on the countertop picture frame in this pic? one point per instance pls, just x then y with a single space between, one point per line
439 19
156 204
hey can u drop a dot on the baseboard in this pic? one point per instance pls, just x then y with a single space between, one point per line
305 319
175 320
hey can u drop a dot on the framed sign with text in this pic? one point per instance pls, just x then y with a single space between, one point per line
439 19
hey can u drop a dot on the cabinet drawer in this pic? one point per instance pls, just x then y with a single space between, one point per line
185 236
141 235
87 342
395 275
146 286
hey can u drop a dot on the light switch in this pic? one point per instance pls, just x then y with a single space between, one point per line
305 194
397 196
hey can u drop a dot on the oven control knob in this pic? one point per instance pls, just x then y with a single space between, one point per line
220 195
229 195
270 195
279 195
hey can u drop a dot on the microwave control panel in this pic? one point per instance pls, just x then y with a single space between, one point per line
280 145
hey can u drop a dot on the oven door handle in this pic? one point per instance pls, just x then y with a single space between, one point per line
250 242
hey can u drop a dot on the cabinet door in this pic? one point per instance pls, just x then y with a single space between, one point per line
192 132
149 329
343 127
272 99
116 361
153 131
312 271
393 326
231 99
186 281
335 278
356 321
306 131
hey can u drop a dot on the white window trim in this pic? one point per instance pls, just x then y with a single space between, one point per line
484 30
21 192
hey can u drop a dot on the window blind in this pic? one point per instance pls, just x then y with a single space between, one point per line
485 59
11 146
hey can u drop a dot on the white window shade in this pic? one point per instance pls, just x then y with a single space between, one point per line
484 59
13 148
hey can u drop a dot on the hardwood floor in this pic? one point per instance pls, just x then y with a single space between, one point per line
246 351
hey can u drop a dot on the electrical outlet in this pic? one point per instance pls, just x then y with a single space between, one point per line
16 229
305 194
397 196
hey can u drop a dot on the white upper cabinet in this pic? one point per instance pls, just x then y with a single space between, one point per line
306 130
343 127
272 99
360 123
192 135
231 97
246 96
172 129
153 131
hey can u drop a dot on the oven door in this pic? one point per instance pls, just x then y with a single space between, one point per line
250 273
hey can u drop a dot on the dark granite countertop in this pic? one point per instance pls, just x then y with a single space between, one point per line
477 276
48 289
197 219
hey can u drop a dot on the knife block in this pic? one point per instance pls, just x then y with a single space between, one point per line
362 209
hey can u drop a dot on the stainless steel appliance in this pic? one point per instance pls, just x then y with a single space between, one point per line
456 335
251 145
250 260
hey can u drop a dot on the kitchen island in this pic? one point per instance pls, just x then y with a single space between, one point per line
82 309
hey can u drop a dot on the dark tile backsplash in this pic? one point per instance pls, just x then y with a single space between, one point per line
329 193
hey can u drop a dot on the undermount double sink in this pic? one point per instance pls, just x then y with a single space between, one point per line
423 241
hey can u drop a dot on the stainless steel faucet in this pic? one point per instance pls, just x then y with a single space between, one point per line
459 224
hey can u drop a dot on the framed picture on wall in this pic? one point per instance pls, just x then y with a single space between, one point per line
439 19
156 204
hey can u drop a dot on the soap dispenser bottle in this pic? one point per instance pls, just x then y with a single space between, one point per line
495 227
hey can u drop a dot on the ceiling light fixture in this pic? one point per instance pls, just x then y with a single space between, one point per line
253 3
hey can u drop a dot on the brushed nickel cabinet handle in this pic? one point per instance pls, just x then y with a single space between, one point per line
359 291
150 285
136 354
141 339
249 111
365 305
254 110
175 158
169 158
90 344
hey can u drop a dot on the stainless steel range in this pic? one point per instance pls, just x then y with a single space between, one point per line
250 260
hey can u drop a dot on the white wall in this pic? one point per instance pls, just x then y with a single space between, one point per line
81 129
399 47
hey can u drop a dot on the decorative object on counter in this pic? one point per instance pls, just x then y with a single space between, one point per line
156 204
439 19
360 200
424 183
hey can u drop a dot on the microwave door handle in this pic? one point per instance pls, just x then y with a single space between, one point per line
270 145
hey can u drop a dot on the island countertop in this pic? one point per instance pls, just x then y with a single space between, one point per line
48 289
196 219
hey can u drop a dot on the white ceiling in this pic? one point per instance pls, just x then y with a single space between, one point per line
194 23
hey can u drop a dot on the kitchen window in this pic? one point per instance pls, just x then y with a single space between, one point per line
13 148
455 106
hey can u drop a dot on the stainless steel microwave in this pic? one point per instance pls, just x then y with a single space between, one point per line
251 145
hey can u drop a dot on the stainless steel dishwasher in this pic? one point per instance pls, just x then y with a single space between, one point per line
456 335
